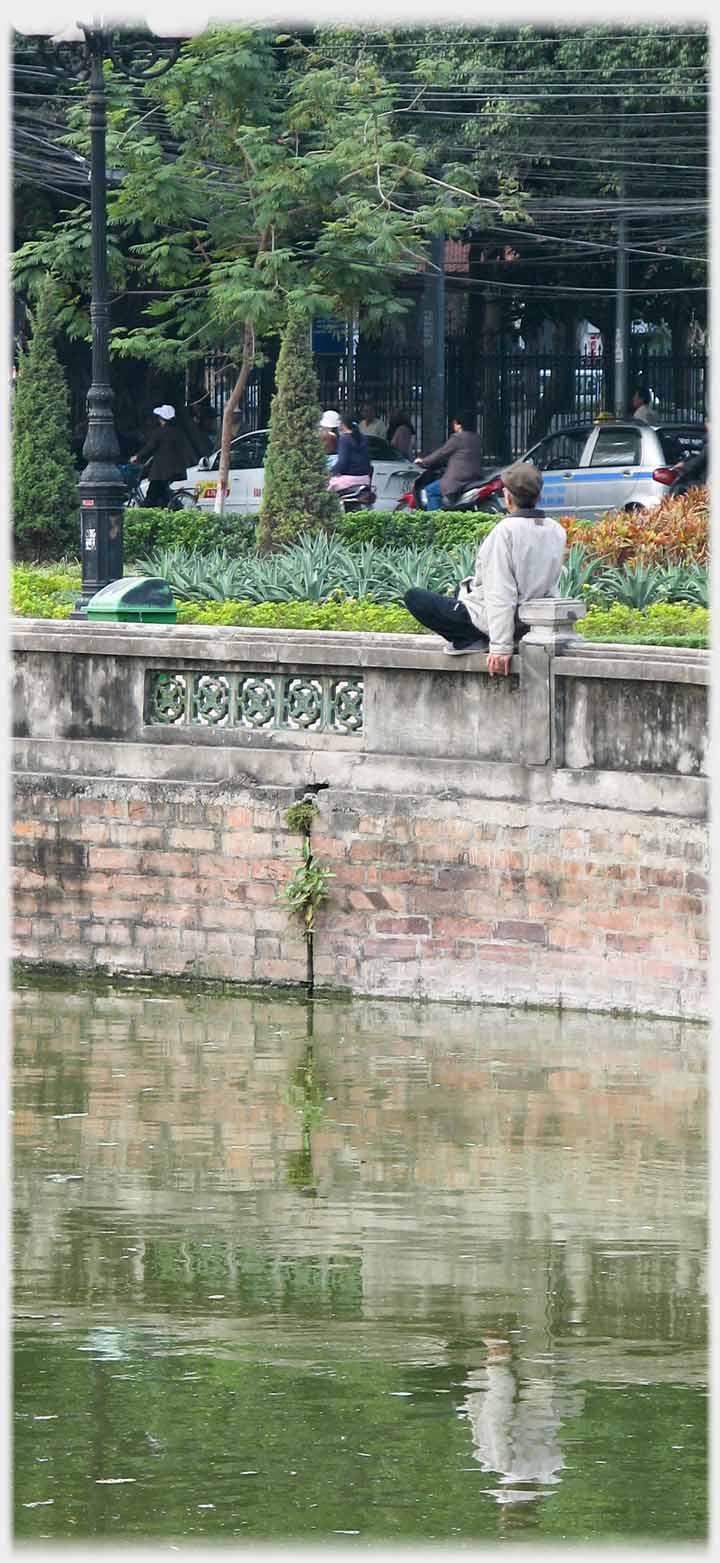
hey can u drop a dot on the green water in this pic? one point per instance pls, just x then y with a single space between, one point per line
359 1273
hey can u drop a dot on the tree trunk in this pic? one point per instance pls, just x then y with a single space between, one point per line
559 392
233 401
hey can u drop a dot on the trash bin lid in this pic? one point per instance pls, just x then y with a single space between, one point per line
134 591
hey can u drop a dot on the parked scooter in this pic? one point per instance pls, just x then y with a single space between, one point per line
485 495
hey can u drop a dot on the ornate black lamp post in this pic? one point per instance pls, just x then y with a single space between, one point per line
81 54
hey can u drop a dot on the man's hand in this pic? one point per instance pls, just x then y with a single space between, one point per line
419 461
497 664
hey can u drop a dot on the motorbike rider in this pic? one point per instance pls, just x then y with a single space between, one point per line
353 457
463 453
693 471
329 434
167 453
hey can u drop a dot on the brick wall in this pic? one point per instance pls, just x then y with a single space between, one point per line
452 898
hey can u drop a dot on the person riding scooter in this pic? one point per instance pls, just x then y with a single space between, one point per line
693 471
463 453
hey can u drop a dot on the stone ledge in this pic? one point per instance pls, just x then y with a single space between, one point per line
630 794
195 644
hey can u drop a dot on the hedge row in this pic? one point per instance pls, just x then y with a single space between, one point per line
203 532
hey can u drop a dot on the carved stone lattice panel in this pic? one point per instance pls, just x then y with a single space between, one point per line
256 701
167 702
303 704
260 702
211 696
346 705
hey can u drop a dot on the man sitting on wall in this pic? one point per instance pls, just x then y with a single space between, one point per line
519 560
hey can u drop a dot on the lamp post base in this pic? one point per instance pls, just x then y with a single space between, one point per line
101 535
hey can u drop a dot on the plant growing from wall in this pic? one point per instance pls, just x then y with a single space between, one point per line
45 500
308 888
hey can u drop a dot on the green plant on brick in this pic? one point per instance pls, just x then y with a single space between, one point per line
308 888
45 500
295 492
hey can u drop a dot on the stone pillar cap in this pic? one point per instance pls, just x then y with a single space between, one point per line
550 611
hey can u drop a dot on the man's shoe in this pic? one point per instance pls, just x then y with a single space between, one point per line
463 651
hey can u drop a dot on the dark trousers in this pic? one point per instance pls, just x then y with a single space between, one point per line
443 615
158 493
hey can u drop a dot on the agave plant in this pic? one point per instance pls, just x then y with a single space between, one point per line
632 588
578 572
685 583
211 577
430 568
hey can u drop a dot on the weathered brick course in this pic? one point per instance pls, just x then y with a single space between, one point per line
451 897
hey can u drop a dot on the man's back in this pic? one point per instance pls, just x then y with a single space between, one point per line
465 461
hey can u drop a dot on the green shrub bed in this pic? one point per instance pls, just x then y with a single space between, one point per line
39 593
49 592
195 530
662 624
378 618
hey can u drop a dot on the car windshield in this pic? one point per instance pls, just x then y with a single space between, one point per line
678 444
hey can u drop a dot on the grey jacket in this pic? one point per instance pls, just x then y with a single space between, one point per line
519 560
465 461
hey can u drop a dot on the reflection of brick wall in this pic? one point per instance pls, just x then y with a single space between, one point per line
546 1125
461 898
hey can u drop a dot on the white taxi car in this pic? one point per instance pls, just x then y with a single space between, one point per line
589 468
392 475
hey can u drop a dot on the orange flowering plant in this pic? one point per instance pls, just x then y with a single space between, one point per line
677 531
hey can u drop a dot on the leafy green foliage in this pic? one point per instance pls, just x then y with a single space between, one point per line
453 528
578 572
300 816
198 531
639 585
293 184
43 594
385 528
308 887
314 569
662 624
295 492
45 500
370 617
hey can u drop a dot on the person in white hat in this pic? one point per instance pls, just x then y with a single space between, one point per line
329 426
167 455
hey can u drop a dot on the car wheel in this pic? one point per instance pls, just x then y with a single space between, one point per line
632 509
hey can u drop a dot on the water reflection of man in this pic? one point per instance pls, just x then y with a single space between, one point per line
515 1425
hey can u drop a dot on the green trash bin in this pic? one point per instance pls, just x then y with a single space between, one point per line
136 599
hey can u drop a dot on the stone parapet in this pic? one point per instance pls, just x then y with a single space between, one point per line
539 839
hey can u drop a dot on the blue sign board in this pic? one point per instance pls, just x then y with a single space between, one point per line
329 336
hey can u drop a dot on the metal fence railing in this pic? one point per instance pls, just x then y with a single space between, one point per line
515 397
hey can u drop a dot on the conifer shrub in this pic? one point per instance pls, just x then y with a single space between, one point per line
295 491
45 500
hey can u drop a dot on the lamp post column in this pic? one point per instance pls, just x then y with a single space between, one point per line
101 487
